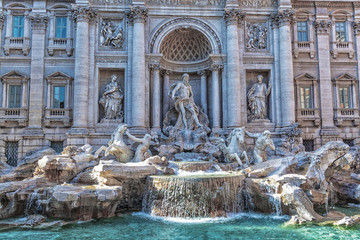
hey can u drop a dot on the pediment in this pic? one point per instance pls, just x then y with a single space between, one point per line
58 75
345 77
14 75
306 77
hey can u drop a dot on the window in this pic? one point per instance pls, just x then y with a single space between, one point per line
302 31
59 97
61 26
309 145
344 95
58 146
18 26
306 97
11 152
14 96
340 29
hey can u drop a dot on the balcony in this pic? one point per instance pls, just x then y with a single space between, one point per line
13 117
304 47
17 43
342 48
58 117
308 116
346 117
60 44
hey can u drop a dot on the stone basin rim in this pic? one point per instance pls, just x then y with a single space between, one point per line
205 176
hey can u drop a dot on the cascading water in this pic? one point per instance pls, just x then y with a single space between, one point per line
33 204
194 196
275 202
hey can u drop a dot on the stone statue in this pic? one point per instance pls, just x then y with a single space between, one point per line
111 36
142 151
117 146
262 142
112 99
182 94
257 96
236 143
228 156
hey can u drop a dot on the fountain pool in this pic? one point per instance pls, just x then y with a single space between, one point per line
142 226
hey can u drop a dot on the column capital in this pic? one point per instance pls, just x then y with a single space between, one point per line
166 72
154 66
84 13
203 72
356 26
322 26
137 14
233 16
282 17
38 21
216 67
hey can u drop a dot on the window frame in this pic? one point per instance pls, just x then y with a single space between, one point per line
18 26
54 94
344 32
63 28
18 96
306 32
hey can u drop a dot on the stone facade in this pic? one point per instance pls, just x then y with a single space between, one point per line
222 44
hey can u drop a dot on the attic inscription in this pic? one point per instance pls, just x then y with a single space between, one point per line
110 2
257 3
188 2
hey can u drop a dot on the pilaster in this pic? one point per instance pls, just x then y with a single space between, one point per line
203 91
36 103
323 28
215 96
156 98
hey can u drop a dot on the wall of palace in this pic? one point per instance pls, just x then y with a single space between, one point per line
72 70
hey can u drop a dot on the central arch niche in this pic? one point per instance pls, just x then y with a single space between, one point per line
185 44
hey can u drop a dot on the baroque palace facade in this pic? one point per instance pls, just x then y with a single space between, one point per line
72 70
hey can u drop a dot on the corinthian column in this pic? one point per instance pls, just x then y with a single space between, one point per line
166 88
138 96
215 96
156 96
285 17
36 104
82 16
232 17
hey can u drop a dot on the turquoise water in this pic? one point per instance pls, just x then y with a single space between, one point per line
140 226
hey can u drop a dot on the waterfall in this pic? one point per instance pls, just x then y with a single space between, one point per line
33 204
194 196
275 203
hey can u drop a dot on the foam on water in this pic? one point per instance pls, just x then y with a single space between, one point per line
231 217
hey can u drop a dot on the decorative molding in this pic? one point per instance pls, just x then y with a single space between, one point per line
356 26
203 72
216 67
284 17
256 36
154 66
2 20
38 21
322 26
84 13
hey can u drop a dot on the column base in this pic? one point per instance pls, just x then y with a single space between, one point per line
33 132
329 134
138 130
156 130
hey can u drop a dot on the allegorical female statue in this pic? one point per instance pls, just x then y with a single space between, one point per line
257 97
112 99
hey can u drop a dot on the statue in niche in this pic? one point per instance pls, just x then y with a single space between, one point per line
256 36
112 99
257 96
185 124
111 36
142 151
262 142
182 94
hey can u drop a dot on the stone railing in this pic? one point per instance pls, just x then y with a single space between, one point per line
346 116
12 117
17 43
60 44
304 47
306 116
55 117
342 47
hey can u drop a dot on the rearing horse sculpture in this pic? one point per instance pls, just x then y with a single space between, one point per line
117 146
236 143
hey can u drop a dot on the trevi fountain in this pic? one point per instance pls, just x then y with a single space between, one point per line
185 183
